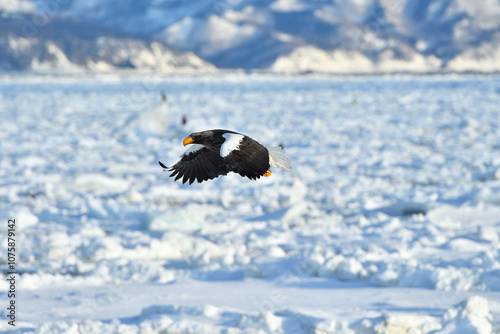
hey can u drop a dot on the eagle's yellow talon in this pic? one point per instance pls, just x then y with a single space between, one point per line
268 173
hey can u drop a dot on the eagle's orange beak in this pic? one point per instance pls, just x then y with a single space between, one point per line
187 141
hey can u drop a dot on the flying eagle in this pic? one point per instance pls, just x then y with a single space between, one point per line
218 152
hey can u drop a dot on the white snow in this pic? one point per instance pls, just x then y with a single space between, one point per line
310 58
470 316
389 223
232 142
17 6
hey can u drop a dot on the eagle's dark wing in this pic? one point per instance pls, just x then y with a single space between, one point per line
250 159
200 165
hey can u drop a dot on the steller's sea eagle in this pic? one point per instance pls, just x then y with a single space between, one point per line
218 152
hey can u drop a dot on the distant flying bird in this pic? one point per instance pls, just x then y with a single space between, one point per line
218 152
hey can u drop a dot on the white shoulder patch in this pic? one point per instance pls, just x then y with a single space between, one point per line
193 148
231 143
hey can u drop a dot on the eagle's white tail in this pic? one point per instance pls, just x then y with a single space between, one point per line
278 159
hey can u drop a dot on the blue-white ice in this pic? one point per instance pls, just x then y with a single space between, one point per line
390 220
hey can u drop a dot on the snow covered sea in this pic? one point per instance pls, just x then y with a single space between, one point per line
389 222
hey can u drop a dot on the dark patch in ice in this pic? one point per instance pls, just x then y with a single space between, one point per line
274 215
178 264
400 209
219 275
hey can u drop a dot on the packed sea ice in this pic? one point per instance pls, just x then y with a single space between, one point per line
388 223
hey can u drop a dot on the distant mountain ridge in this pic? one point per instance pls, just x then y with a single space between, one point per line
363 36
71 46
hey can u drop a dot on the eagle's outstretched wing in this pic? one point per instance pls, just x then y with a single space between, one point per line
199 164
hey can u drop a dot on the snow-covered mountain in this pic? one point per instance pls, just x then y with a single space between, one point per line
283 35
67 45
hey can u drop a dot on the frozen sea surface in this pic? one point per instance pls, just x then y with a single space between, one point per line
389 222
